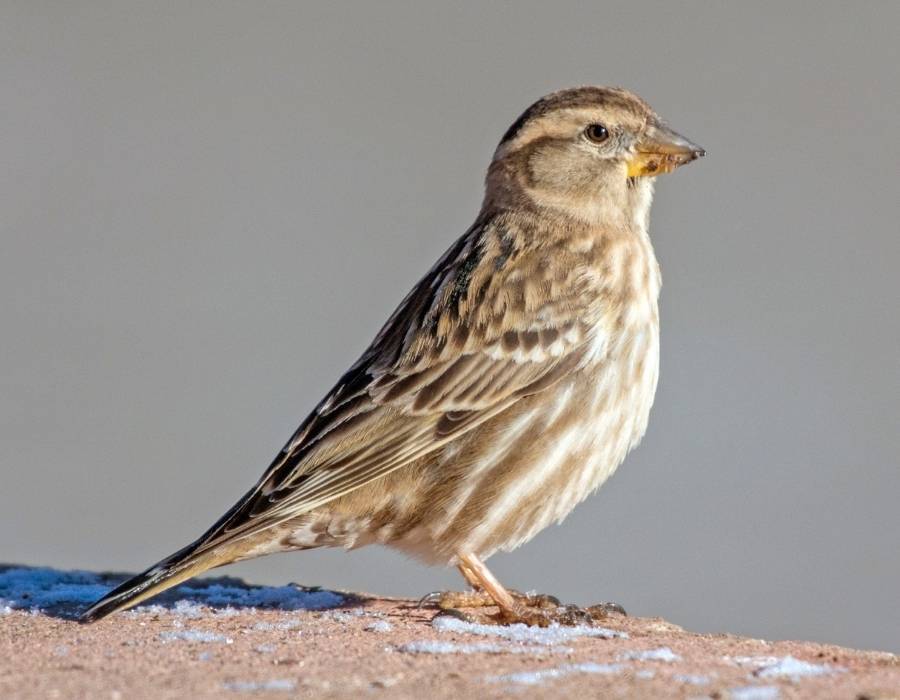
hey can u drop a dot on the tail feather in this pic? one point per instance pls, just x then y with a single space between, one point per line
171 571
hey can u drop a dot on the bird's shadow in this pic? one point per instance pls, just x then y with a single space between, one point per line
66 594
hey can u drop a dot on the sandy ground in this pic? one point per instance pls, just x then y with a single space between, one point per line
221 638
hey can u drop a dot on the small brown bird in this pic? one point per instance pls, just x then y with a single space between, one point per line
507 386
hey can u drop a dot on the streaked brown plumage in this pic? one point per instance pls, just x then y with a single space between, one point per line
506 387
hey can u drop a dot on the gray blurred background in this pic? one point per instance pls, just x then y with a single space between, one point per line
208 209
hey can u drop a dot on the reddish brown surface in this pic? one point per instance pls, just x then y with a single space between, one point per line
331 654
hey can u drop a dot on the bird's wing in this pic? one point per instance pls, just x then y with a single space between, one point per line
488 325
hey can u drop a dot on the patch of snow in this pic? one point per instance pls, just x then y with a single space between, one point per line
691 679
40 588
755 692
289 624
547 636
194 636
538 677
429 646
754 661
341 617
784 667
145 610
379 626
645 674
264 649
792 668
204 656
279 597
189 609
661 654
283 684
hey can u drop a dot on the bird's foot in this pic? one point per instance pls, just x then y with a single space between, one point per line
534 610
453 600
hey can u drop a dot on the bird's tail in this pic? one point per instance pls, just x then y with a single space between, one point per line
184 564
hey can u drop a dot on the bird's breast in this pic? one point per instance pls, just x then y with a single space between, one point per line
546 455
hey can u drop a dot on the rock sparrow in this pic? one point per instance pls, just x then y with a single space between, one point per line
507 386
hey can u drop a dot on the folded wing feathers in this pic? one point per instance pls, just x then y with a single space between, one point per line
438 368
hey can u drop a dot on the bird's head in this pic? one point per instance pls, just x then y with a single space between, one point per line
591 151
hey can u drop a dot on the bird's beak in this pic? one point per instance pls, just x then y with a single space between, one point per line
660 150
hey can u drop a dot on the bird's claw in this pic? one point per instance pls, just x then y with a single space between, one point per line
429 599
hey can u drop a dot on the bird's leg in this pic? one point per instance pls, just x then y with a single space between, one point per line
479 597
488 583
514 607
475 598
487 591
470 577
539 610
449 600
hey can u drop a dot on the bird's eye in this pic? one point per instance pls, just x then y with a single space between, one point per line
596 133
